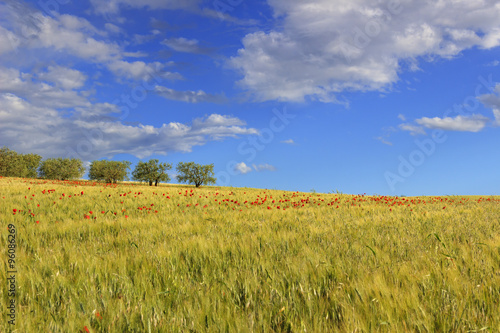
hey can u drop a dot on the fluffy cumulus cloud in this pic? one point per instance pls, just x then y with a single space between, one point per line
52 88
462 123
340 45
139 70
8 41
242 168
91 132
63 77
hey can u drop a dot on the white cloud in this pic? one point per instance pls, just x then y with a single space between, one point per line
138 54
402 117
26 127
113 6
8 41
141 39
220 126
492 38
220 13
413 129
289 141
496 114
216 120
140 70
63 77
70 34
242 168
362 45
11 79
113 28
264 167
189 96
185 45
493 101
33 31
474 123
56 92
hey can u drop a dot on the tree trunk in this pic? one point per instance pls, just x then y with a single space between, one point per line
150 183
156 182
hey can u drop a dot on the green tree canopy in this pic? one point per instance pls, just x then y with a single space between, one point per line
61 168
30 163
152 171
9 159
196 174
109 171
13 164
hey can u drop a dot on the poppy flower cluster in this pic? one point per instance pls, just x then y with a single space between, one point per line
119 200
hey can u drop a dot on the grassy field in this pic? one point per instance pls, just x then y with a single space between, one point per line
128 258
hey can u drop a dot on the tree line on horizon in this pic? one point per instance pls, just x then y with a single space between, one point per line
13 164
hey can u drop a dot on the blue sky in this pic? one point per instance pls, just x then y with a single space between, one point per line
398 97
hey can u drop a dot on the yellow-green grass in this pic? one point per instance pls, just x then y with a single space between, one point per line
374 264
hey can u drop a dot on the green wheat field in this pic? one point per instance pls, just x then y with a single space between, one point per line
91 257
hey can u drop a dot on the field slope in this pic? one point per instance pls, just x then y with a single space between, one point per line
129 258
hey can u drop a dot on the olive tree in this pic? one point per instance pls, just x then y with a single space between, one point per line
13 164
9 162
196 174
61 168
109 171
151 171
30 164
